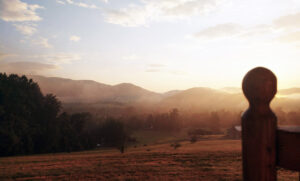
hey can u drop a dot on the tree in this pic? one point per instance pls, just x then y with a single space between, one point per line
215 122
114 134
174 120
32 123
25 114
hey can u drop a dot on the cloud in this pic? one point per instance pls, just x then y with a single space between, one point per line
26 67
182 8
41 41
17 11
220 30
58 58
79 4
60 2
290 24
257 30
290 21
35 64
132 17
2 55
153 70
159 10
5 55
75 38
285 27
291 37
156 65
26 29
228 30
178 72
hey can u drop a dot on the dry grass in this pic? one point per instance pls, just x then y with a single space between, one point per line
203 160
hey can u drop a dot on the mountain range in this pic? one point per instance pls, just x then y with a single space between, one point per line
91 92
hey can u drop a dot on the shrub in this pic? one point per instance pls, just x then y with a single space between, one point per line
193 139
175 145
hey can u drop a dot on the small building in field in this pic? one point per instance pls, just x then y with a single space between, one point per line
234 132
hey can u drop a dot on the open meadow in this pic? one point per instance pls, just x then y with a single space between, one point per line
210 159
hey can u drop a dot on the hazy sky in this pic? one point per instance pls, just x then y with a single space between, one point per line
157 44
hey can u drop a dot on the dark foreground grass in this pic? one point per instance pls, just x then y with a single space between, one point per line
203 160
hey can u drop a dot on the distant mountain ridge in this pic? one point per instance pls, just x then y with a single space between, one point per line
290 91
88 91
206 99
197 98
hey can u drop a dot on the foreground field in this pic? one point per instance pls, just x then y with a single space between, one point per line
203 160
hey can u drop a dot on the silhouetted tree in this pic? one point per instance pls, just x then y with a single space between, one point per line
30 122
214 122
24 115
174 123
114 134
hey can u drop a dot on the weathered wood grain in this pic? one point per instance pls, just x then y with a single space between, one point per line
288 148
259 125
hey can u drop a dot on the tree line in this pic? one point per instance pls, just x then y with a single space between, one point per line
33 123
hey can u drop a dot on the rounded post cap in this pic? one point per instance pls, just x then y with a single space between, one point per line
259 85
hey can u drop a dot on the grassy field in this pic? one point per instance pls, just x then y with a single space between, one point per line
214 159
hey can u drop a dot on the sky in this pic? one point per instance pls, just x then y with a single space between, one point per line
160 45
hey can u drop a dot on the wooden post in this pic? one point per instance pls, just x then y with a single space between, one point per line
259 125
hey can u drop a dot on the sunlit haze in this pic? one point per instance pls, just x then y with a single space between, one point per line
159 45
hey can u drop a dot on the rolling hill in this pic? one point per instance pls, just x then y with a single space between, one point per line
88 91
204 99
93 93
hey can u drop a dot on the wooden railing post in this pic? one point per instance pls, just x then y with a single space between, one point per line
259 125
